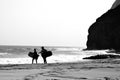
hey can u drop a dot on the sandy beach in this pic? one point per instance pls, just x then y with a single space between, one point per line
79 39
108 69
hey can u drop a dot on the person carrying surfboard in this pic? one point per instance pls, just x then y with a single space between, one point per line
35 56
45 54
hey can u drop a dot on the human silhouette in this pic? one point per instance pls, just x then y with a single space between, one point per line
45 54
35 56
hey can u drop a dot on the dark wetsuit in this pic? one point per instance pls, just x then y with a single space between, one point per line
43 54
35 56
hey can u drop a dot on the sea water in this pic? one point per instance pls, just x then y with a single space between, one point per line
19 54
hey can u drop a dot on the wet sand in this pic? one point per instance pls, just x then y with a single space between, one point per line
108 69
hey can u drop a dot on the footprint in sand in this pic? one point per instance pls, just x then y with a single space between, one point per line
53 75
52 79
30 77
60 75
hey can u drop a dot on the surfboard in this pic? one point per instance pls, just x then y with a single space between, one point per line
49 53
31 54
46 54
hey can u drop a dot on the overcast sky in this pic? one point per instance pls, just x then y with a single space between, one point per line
48 22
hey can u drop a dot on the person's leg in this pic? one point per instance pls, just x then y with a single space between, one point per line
36 60
32 60
45 61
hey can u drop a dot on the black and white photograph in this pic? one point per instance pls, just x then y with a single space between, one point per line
59 39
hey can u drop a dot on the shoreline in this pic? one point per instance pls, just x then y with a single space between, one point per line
90 70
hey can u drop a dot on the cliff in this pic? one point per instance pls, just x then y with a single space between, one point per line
105 32
115 4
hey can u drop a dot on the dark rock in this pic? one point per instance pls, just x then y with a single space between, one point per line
105 32
116 3
103 56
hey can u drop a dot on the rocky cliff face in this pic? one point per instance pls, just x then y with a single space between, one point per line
105 32
116 3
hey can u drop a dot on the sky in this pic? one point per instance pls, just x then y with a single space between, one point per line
49 22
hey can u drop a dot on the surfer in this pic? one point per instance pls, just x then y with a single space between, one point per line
35 56
45 54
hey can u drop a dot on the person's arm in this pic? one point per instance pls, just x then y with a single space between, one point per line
40 52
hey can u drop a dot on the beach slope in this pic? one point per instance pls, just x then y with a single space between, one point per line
107 69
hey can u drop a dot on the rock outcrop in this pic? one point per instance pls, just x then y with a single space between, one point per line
105 32
116 3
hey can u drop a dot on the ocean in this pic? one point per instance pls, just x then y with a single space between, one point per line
19 54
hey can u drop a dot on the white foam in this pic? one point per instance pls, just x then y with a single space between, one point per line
75 56
67 49
65 58
3 53
53 59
